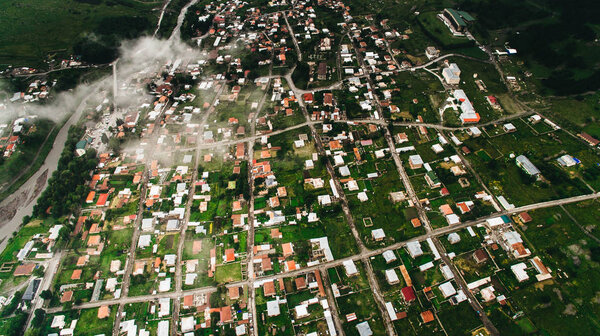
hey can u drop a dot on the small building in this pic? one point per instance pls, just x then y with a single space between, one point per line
391 276
453 238
480 256
378 234
415 161
447 289
414 249
364 329
519 271
389 256
408 294
273 308
524 163
350 268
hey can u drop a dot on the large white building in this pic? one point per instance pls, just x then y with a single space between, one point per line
451 74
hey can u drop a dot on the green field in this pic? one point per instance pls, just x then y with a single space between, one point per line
57 25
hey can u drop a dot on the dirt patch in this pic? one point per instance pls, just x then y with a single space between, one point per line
8 211
39 185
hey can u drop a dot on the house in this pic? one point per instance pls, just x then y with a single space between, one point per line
431 52
273 308
76 275
427 316
328 99
364 329
525 218
509 128
229 255
301 311
519 271
524 163
480 256
432 180
269 288
391 276
288 249
451 74
415 161
408 294
378 234
447 289
67 296
389 256
308 98
290 265
453 238
414 249
234 293
103 312
300 283
350 268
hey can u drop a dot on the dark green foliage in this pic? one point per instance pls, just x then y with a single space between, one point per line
66 187
12 305
301 75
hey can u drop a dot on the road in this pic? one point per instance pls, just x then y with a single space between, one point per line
138 220
51 268
444 231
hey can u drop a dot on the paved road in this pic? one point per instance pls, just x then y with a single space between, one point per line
338 262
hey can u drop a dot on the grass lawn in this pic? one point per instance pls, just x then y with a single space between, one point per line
228 273
90 324
57 23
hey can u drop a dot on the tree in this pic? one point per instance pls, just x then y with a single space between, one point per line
38 317
39 271
46 294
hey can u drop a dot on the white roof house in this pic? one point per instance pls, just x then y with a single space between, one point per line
447 289
164 285
163 328
188 323
273 308
389 256
414 248
519 271
452 219
344 171
144 241
391 276
147 224
453 238
324 199
415 160
172 225
350 267
362 196
364 329
378 234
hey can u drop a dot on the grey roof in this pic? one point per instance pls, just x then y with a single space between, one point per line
364 329
31 289
524 162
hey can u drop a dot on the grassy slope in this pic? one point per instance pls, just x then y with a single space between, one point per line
31 29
